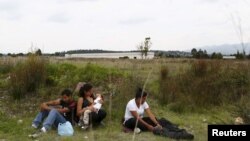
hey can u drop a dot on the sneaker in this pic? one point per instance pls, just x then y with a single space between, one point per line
84 127
34 125
36 135
79 124
44 130
137 130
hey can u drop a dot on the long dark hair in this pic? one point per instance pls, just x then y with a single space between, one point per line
86 87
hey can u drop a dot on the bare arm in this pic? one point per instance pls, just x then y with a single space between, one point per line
79 106
152 117
150 127
81 110
46 105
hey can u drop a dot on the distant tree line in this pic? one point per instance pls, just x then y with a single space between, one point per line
38 52
198 54
203 54
172 54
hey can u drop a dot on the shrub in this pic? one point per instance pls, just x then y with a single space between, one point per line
5 66
206 84
199 68
27 76
98 75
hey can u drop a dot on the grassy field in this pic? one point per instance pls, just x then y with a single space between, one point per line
111 76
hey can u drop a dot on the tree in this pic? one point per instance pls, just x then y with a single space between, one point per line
240 55
216 56
147 45
38 52
144 47
194 52
199 54
140 48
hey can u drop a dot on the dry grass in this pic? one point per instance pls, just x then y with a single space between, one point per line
138 70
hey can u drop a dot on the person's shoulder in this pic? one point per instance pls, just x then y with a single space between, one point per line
72 103
80 99
131 101
145 104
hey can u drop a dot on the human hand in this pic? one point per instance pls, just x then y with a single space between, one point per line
91 108
151 128
158 126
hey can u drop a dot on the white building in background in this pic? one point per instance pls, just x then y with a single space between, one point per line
130 55
229 57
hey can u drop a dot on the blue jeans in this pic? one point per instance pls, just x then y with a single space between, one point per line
53 118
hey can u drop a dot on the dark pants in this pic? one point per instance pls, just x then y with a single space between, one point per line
131 123
96 118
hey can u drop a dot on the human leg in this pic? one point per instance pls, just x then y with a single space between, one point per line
131 123
86 117
54 118
99 116
39 118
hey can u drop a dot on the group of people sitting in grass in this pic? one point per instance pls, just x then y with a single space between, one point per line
87 110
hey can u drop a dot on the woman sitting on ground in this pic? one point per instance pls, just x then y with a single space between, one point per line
89 109
135 111
134 114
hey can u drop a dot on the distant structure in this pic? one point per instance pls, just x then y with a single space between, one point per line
229 57
128 55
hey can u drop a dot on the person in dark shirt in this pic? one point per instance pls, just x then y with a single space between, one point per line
55 111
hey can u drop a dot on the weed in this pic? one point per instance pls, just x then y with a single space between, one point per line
27 76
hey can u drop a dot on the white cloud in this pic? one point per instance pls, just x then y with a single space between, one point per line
58 25
60 18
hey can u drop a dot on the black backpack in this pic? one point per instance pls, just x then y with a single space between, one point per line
171 130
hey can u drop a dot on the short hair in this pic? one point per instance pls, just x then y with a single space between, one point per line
140 93
66 92
86 87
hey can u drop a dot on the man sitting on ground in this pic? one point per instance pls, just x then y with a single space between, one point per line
55 112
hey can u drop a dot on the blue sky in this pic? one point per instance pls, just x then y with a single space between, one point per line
61 25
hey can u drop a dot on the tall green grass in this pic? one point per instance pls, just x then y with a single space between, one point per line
205 84
181 86
6 65
27 76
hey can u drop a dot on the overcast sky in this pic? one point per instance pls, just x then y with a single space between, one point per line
61 25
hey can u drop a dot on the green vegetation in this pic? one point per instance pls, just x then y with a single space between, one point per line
191 93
